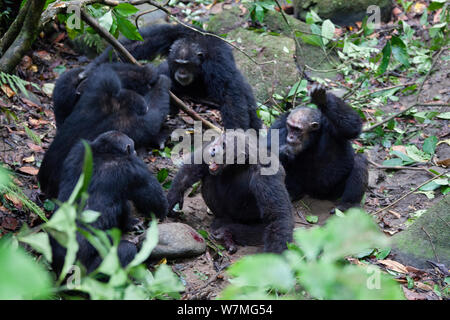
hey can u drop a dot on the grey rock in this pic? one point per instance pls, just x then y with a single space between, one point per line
178 240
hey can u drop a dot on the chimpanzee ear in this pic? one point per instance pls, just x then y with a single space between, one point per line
315 125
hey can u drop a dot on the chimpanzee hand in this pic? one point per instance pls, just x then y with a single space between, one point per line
319 95
174 197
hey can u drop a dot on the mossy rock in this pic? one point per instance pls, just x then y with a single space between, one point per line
342 12
426 238
269 78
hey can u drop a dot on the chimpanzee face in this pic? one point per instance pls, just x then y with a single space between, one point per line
301 124
185 59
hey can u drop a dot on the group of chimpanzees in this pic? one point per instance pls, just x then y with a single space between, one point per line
117 106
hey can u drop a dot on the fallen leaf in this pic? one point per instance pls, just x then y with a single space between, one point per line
14 200
30 103
29 170
422 286
7 90
29 159
418 8
35 147
394 265
37 122
445 162
401 149
412 295
10 223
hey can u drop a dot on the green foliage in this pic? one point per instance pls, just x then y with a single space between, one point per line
15 83
109 280
258 9
21 277
115 20
315 263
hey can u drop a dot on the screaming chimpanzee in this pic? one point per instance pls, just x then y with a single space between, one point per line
316 152
249 207
201 67
106 104
118 176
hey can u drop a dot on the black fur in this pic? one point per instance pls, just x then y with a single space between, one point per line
119 176
106 104
211 61
326 167
249 208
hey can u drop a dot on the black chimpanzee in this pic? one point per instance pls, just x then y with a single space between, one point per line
143 80
317 154
118 177
201 67
249 207
106 104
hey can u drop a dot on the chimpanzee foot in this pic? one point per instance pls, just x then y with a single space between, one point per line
226 237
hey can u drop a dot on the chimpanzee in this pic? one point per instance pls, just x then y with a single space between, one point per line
316 151
249 207
107 105
118 177
69 87
201 67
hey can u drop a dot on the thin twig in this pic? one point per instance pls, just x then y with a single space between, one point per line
432 244
383 89
379 166
407 194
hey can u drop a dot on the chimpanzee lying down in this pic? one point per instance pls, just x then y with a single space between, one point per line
316 151
250 208
106 104
118 177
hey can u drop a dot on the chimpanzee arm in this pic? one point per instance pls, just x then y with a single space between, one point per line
157 41
158 100
185 178
276 210
343 120
146 193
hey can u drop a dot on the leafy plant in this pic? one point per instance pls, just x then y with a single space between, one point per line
15 83
109 280
314 263
257 9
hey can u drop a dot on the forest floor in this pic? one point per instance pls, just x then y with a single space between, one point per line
204 276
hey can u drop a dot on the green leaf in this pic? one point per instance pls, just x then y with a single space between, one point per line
125 9
21 277
106 20
128 29
327 31
89 216
39 242
444 115
162 175
429 145
150 242
399 51
386 57
394 162
416 154
312 219
382 254
275 274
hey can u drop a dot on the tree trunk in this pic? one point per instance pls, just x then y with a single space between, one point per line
21 35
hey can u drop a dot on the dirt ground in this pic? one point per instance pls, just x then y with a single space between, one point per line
203 276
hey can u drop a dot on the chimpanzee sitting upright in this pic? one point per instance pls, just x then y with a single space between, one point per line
317 154
118 176
250 207
106 104
200 67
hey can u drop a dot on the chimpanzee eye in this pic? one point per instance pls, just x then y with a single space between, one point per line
315 125
200 54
